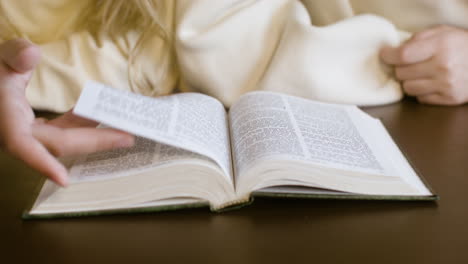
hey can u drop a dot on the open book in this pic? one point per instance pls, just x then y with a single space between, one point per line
189 152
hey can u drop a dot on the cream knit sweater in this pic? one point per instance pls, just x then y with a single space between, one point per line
319 49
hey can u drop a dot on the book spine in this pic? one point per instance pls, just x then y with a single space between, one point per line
234 204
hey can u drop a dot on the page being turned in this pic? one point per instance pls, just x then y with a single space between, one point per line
189 121
145 154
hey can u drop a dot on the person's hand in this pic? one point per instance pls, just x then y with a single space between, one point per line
433 65
35 141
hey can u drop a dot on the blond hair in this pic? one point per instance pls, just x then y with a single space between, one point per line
116 18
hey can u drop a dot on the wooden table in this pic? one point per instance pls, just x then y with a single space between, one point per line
271 231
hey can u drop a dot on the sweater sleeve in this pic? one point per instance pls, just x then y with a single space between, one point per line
65 66
229 47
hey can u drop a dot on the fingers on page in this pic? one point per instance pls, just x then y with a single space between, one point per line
76 141
30 151
70 120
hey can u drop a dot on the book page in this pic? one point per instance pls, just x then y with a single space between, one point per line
189 121
261 127
274 125
145 154
386 149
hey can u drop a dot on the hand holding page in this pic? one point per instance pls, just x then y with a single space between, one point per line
281 145
191 121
